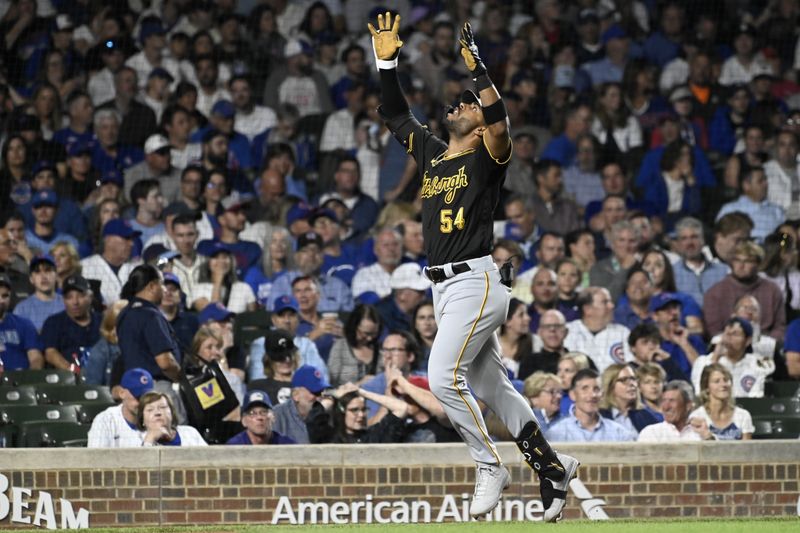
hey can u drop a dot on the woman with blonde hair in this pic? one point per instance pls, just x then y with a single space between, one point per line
569 365
718 409
621 402
544 391
277 258
68 262
97 370
157 421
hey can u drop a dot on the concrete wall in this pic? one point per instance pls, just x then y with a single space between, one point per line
245 484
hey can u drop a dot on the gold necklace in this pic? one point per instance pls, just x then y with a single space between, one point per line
444 157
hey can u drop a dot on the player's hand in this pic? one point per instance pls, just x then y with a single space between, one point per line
386 39
469 51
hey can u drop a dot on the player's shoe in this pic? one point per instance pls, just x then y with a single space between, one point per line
490 482
554 493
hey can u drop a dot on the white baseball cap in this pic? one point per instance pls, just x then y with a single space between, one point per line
154 143
409 276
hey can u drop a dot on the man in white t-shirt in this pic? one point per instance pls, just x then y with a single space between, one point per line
677 401
594 334
376 277
251 119
116 426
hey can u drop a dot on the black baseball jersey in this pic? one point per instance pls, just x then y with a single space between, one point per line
459 193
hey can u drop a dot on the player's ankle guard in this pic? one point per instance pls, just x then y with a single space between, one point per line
538 453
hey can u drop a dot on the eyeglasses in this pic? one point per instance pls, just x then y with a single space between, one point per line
629 379
257 412
392 351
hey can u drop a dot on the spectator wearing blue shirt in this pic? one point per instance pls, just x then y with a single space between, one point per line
664 45
146 197
69 217
80 110
146 339
400 353
633 307
611 67
338 260
45 301
409 286
682 347
363 209
231 222
753 202
221 119
564 147
19 345
791 346
43 235
584 423
694 273
257 419
290 416
108 153
67 336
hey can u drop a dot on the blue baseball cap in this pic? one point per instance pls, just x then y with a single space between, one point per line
36 261
45 197
169 277
659 301
311 378
112 176
79 148
323 213
138 381
152 26
224 108
120 228
298 211
614 31
210 248
43 165
215 312
256 397
286 302
745 324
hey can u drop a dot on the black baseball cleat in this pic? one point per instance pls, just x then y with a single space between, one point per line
554 492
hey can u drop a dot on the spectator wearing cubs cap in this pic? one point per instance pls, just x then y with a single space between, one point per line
68 335
113 265
21 346
335 295
69 219
285 317
257 419
43 234
308 385
116 426
44 302
218 280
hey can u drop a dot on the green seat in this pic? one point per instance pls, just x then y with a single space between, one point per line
52 376
52 434
770 407
249 326
19 414
8 436
87 411
82 394
776 428
23 395
782 389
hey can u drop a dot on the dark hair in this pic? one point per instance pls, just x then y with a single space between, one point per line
254 18
13 215
573 237
584 373
184 218
305 24
672 153
345 157
277 150
169 114
414 313
543 167
411 345
338 415
668 282
141 189
774 245
7 144
361 312
194 168
140 277
586 297
635 269
645 330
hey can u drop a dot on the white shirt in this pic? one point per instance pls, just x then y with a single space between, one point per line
143 68
206 101
733 72
666 432
749 374
741 419
181 158
339 132
95 267
626 138
111 430
260 119
188 435
606 347
301 91
241 295
675 73
188 276
101 87
779 188
373 278
675 194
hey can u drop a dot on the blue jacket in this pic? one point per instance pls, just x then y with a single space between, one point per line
638 417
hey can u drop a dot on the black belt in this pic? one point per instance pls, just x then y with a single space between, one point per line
438 275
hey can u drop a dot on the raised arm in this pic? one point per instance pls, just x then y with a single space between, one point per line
386 45
496 136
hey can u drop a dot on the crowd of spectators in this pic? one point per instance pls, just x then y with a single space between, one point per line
169 168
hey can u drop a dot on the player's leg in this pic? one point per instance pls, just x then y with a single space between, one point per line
467 318
489 381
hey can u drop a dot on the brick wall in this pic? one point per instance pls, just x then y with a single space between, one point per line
233 485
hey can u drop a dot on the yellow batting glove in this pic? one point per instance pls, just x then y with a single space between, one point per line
386 41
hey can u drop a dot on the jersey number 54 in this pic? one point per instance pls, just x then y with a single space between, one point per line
447 222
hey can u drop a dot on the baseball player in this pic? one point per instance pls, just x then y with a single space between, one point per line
461 182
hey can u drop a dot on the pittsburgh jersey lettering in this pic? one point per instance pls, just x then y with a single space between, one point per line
448 184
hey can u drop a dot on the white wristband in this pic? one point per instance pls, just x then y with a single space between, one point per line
386 64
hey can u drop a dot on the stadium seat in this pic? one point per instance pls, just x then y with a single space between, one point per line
87 412
8 436
52 434
24 395
80 394
19 414
53 376
782 389
777 428
770 407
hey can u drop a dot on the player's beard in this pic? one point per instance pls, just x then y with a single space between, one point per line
455 127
